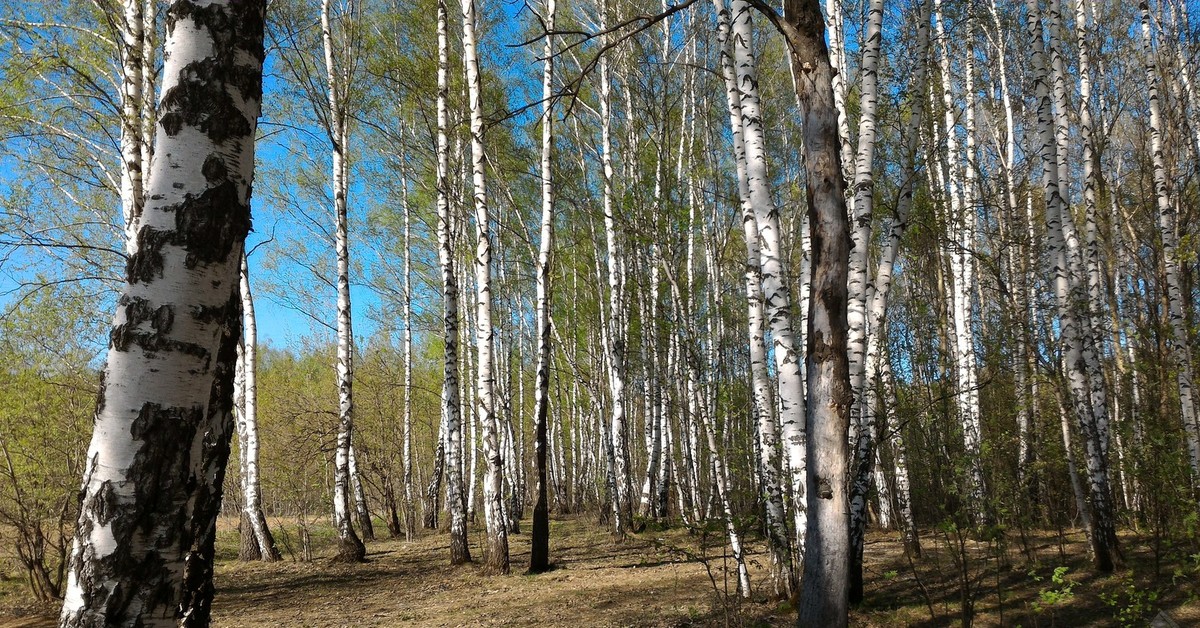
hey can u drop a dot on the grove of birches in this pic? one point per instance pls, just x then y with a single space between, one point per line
793 277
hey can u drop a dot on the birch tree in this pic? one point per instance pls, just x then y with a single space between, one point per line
764 398
1179 345
351 548
1074 323
775 292
257 541
539 556
497 554
173 340
451 436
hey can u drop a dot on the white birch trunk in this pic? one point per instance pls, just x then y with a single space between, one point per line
1180 348
248 427
168 381
451 416
497 554
1083 389
775 292
764 403
539 558
877 293
351 547
133 102
621 502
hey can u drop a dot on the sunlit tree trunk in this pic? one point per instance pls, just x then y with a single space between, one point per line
451 418
776 295
539 555
410 507
350 548
497 554
1083 388
614 345
258 543
766 424
143 548
133 101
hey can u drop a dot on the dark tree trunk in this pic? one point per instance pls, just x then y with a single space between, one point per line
824 597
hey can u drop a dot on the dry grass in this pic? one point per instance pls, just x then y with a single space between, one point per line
676 578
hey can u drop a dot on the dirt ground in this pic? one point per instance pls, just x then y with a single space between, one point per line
676 578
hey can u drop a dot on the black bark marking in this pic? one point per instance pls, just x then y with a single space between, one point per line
208 226
824 488
147 262
139 311
202 98
198 591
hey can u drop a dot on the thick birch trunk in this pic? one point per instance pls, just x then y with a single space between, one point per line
862 207
149 500
775 292
767 431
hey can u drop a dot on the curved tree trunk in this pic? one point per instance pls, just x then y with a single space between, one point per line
255 522
167 385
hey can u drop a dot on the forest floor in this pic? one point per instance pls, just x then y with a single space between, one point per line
674 577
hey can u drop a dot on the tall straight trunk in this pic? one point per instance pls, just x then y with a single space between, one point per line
539 553
877 295
1021 314
451 416
862 208
1168 231
410 508
960 219
1075 327
775 292
252 513
766 424
493 494
908 523
149 498
622 509
350 547
824 597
